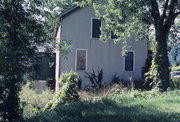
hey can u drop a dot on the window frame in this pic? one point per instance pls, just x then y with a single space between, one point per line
86 50
124 61
92 27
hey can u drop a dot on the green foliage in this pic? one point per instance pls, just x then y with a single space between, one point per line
32 102
154 74
21 34
68 92
175 68
122 105
147 81
65 47
31 85
51 84
115 79
123 18
95 79
132 18
175 83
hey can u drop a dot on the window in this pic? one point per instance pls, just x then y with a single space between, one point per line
96 32
114 36
81 56
129 61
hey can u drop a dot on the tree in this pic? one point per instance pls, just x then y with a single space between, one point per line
21 34
26 27
127 17
52 8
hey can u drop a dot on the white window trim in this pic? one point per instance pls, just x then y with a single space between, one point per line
134 57
92 27
76 59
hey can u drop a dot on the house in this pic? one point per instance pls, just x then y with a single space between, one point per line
89 53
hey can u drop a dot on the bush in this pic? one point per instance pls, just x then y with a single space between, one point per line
175 83
95 79
51 84
115 79
147 81
32 102
68 92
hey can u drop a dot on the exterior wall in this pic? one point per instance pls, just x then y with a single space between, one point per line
106 56
57 64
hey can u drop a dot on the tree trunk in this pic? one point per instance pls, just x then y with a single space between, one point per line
162 59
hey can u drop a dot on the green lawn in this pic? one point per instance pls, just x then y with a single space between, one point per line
134 106
175 68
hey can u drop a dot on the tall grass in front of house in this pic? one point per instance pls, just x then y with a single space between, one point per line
32 102
118 104
175 68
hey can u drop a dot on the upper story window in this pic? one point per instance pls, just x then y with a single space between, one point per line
129 61
114 36
81 59
96 24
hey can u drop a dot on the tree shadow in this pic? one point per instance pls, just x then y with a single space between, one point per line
104 110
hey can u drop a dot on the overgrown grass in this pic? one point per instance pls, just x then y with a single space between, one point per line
117 105
33 102
175 68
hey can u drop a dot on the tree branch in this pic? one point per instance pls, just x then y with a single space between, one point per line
177 14
155 13
172 6
165 9
171 16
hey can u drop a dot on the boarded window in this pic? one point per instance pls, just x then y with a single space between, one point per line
129 63
96 32
81 60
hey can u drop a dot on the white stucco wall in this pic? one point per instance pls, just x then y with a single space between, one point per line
107 56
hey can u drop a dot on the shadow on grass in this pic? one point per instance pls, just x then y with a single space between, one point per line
105 110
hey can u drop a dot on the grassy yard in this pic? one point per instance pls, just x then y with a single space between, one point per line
175 68
118 106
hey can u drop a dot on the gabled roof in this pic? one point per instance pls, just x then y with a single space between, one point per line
64 13
68 11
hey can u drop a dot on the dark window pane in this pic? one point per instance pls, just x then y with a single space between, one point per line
81 59
129 61
113 36
96 32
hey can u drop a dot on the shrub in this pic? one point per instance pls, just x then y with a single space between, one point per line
95 79
31 85
51 84
147 81
32 102
175 83
68 92
115 79
79 83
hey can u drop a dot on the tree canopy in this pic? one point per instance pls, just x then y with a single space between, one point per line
132 17
22 34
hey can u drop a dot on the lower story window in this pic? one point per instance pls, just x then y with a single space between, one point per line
81 59
129 61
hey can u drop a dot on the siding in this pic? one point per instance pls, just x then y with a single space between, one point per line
107 56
